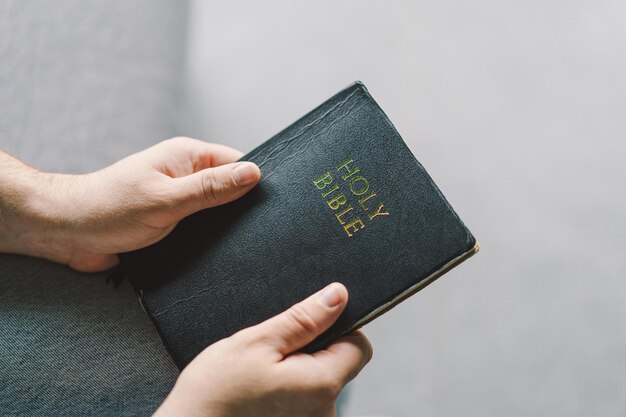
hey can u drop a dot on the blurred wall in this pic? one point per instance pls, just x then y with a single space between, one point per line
518 111
83 84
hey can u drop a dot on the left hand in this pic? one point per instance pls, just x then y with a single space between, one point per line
84 220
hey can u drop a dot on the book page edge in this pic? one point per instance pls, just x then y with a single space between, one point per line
415 288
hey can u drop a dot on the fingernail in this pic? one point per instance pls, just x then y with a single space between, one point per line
331 296
245 173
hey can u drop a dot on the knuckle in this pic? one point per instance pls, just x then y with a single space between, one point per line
174 143
177 140
167 143
301 318
211 187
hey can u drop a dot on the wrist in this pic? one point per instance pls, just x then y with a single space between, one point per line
32 219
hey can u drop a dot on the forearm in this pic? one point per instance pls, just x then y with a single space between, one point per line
16 188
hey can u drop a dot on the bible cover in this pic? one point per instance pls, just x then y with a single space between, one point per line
341 198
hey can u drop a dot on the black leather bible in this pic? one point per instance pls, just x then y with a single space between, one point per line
341 198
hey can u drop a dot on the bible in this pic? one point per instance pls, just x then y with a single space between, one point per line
341 198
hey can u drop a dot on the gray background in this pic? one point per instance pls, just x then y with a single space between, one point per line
517 109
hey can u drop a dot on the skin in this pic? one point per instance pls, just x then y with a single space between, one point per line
83 221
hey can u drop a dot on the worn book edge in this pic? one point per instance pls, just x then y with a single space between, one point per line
414 289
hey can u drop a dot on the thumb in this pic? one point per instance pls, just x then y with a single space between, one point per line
216 186
302 323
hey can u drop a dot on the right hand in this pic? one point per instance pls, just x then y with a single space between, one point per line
259 371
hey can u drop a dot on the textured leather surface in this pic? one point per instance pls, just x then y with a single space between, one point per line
233 266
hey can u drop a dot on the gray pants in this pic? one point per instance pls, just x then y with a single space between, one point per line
72 344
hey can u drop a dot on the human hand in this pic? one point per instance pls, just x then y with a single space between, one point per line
84 220
258 371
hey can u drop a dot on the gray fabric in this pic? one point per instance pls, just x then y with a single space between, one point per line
82 84
71 344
